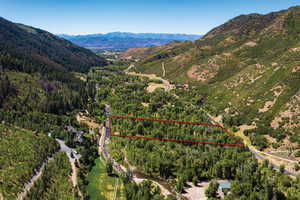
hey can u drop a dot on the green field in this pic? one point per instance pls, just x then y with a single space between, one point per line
101 186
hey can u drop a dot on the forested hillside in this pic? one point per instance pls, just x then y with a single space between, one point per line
247 69
42 50
183 165
17 167
42 87
55 182
36 71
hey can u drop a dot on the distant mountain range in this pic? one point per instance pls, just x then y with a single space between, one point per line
125 40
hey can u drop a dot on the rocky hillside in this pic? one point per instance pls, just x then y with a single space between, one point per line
248 69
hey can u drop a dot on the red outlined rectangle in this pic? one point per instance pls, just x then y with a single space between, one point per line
175 140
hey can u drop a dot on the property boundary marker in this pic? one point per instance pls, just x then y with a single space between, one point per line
174 140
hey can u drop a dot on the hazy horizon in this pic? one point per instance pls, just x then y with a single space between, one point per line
125 32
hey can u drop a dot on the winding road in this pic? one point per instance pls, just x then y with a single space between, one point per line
137 176
39 172
165 83
258 154
31 183
72 159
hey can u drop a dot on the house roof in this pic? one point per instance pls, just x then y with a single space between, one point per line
224 184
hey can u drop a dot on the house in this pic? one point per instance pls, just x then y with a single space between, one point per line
224 187
182 86
78 134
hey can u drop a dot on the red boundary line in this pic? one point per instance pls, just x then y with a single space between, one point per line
175 121
179 122
174 140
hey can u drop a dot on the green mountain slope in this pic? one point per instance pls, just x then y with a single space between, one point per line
41 85
44 48
248 68
21 153
36 70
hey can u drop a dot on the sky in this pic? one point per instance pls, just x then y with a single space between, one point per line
139 16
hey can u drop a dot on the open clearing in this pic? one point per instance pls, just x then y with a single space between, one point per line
196 192
101 186
152 86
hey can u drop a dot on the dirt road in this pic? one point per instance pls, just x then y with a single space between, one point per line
152 86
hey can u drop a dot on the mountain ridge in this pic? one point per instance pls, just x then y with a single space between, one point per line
37 70
125 40
21 39
247 69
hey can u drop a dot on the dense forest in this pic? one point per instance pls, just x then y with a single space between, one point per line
22 153
42 88
182 162
55 182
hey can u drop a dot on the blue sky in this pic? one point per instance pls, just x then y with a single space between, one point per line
157 16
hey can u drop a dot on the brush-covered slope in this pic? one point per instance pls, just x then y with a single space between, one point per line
249 66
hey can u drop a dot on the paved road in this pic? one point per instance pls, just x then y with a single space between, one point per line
31 183
39 172
257 153
258 156
103 148
104 141
73 156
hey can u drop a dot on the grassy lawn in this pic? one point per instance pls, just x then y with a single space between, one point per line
101 186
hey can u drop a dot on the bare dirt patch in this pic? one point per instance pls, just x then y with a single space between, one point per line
295 69
295 49
197 73
196 192
250 44
290 116
227 54
269 104
88 121
206 47
153 86
145 104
